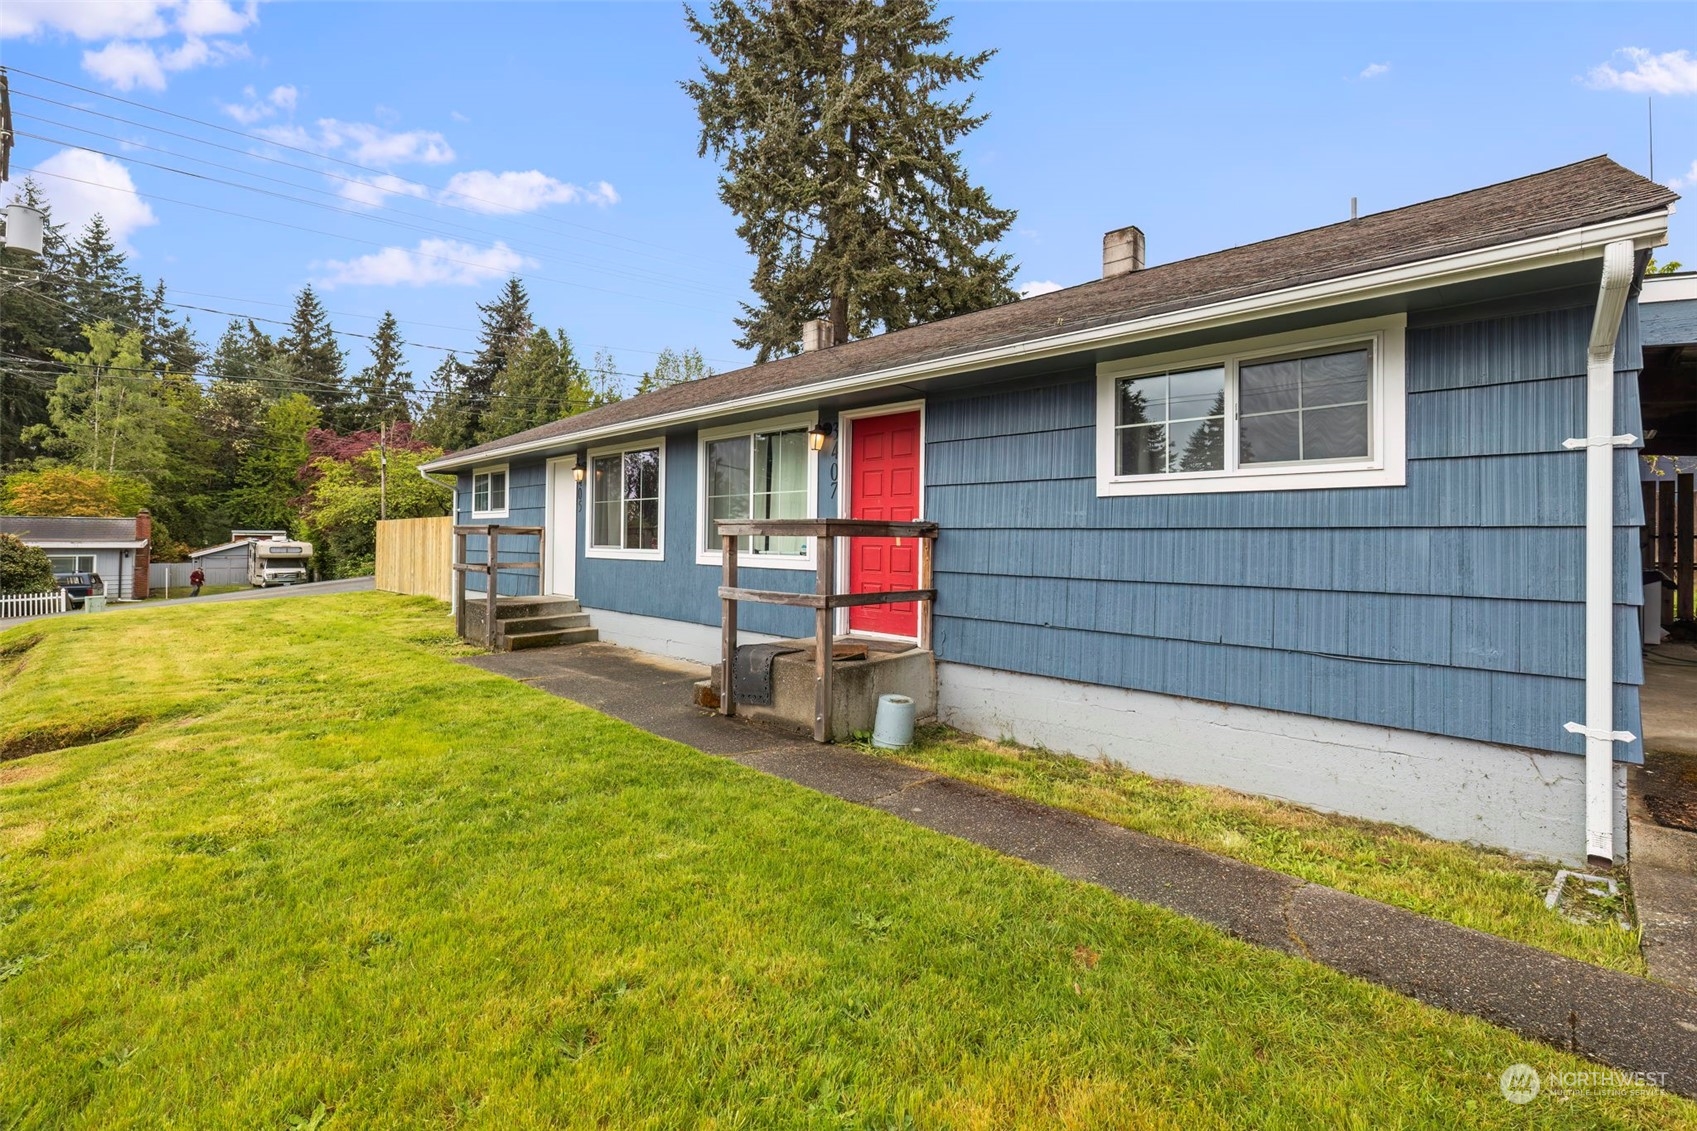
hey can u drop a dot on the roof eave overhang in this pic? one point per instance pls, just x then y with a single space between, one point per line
1646 230
78 544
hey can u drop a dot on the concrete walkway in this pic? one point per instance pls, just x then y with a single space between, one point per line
1662 810
1624 1022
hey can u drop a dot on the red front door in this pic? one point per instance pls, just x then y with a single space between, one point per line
884 486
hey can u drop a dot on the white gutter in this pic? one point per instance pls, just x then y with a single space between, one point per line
1572 246
1599 443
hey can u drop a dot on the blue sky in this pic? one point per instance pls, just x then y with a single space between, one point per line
1208 125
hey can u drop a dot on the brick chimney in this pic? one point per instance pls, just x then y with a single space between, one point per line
144 553
817 335
1122 252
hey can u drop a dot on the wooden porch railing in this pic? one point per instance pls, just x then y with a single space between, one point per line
824 600
490 569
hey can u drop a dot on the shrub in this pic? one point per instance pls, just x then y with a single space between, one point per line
24 569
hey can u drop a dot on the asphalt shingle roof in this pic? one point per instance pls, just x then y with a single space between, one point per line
92 530
1588 192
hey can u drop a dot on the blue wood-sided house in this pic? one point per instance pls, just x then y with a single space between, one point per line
1306 518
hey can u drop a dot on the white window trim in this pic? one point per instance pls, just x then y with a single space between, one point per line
715 555
590 549
506 494
1386 465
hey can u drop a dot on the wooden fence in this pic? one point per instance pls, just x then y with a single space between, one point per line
1670 514
416 555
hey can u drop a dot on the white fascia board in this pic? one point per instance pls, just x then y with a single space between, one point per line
1669 288
60 544
1571 246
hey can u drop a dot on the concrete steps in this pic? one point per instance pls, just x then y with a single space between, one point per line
533 622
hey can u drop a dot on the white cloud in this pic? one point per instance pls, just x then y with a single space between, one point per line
499 193
365 143
373 191
1689 180
433 262
1038 287
457 116
257 109
1374 70
1671 72
96 19
129 58
127 65
83 183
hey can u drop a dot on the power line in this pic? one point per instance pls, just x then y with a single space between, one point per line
261 139
369 243
429 229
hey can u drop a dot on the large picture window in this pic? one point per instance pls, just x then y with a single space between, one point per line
489 492
759 471
1313 409
71 563
624 502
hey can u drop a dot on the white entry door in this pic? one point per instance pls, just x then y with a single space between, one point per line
562 519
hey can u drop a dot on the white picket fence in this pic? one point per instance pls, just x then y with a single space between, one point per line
16 605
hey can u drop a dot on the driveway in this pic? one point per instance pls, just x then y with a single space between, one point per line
311 589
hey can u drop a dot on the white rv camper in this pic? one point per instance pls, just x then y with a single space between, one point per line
277 561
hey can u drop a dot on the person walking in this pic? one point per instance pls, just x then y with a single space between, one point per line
197 579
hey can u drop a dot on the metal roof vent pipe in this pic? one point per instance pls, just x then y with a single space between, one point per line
817 335
1122 252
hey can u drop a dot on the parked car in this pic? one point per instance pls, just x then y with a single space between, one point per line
80 586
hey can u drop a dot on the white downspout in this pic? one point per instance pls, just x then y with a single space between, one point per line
1599 443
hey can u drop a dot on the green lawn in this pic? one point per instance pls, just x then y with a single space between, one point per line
308 869
1475 887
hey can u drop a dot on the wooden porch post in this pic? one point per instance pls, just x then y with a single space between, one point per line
728 632
489 592
825 552
459 583
925 545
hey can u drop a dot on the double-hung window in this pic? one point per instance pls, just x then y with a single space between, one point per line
625 505
489 492
1319 408
756 471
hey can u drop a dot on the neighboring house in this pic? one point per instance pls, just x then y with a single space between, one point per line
1306 518
118 549
227 562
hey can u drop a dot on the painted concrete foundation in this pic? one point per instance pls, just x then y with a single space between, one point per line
681 640
1527 802
855 688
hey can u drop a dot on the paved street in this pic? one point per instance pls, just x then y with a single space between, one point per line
311 589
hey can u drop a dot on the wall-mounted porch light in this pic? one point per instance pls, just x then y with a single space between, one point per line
819 435
579 469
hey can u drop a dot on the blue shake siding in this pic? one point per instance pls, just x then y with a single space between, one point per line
676 588
1452 605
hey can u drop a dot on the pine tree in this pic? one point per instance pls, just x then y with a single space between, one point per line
443 423
843 168
102 287
542 382
507 326
313 358
381 389
167 344
35 323
674 368
268 484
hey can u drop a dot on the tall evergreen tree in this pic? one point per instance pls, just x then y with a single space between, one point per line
381 390
507 326
314 360
245 352
167 344
34 321
102 288
443 421
543 381
268 484
842 165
